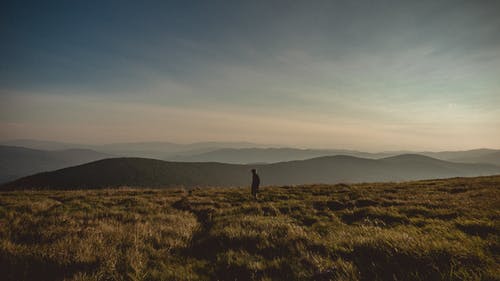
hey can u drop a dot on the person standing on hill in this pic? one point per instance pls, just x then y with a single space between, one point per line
255 183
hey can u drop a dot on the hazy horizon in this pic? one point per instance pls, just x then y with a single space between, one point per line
361 75
251 145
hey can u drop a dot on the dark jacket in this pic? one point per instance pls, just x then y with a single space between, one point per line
255 181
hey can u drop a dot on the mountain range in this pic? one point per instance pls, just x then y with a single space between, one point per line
43 156
243 152
141 172
270 155
273 155
155 150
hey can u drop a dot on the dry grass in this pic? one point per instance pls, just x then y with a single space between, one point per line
426 230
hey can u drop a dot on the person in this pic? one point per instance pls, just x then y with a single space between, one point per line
255 183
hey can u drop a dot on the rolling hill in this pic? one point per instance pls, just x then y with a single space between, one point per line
17 162
141 172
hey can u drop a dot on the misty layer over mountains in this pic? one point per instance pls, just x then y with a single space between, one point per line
156 150
16 161
272 155
244 152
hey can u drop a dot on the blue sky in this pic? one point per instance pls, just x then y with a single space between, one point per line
372 75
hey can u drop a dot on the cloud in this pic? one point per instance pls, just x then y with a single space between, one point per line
334 73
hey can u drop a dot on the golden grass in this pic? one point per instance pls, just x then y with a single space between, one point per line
425 230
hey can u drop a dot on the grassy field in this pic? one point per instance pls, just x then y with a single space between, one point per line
424 230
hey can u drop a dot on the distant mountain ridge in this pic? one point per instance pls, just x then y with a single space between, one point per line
245 152
141 172
273 155
270 155
153 149
483 155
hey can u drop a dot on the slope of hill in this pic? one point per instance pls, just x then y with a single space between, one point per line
334 169
137 172
141 172
17 162
415 166
413 231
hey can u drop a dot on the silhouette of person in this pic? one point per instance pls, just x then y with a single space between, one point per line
255 183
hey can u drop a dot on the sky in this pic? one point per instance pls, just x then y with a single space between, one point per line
367 75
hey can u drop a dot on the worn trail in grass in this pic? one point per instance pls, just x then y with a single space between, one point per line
425 230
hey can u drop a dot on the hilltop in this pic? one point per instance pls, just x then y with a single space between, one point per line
142 172
409 231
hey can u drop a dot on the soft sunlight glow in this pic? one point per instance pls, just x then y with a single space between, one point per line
334 74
